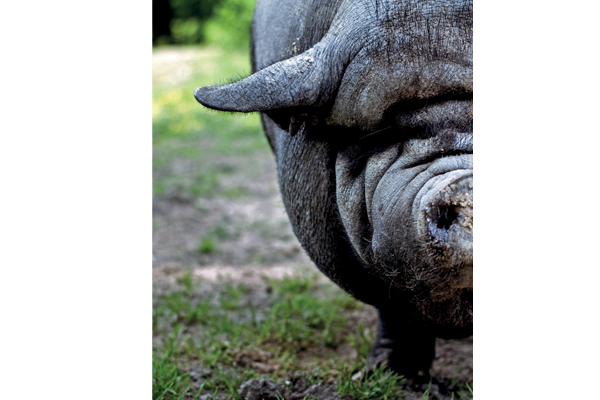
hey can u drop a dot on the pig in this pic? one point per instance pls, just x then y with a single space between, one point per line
368 107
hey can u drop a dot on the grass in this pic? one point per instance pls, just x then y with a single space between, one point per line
224 230
379 384
231 340
219 333
167 379
207 245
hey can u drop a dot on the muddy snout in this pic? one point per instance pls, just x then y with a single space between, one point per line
446 223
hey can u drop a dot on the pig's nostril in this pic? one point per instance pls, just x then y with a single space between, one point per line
447 215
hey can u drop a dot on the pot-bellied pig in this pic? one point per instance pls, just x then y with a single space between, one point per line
368 107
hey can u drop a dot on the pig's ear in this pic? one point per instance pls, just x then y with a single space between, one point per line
304 80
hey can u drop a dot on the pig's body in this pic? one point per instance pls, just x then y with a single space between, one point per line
368 108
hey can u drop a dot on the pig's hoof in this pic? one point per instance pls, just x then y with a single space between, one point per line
380 353
414 367
405 348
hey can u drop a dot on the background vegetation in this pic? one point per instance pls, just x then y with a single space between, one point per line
223 22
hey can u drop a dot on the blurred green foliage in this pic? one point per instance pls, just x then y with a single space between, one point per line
221 22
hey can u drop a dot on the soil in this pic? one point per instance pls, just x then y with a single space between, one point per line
253 228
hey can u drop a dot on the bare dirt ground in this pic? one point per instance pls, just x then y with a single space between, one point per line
250 229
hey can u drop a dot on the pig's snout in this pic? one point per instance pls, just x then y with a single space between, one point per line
446 223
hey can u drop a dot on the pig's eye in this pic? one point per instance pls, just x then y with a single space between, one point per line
365 147
391 135
360 162
376 132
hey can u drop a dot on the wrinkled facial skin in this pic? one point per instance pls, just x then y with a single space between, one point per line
368 108
395 206
410 217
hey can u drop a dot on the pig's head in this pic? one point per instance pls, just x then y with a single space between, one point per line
372 129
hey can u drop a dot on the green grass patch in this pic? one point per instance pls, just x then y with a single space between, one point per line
298 318
224 333
168 381
381 384
207 245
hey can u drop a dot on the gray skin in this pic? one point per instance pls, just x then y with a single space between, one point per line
368 107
